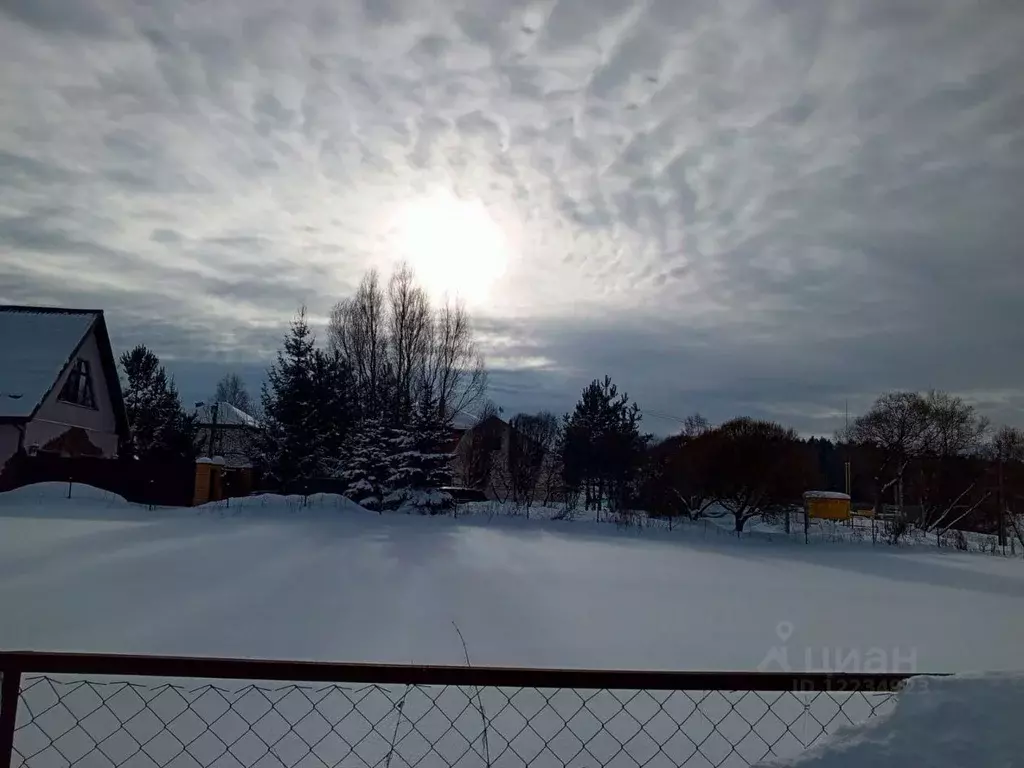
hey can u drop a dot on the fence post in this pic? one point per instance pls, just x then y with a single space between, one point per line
9 693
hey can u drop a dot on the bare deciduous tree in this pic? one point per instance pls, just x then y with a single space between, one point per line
358 332
454 367
1007 451
231 389
1007 445
397 346
695 425
949 480
473 460
897 429
409 332
531 438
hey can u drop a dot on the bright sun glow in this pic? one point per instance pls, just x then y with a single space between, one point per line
454 246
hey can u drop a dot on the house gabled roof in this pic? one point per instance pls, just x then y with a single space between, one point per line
37 344
227 416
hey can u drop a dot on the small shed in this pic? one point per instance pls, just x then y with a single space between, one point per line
827 505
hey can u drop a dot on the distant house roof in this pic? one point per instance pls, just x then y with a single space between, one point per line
36 345
227 416
464 420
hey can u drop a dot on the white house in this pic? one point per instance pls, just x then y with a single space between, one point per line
59 389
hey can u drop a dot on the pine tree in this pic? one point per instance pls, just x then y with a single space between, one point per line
159 425
602 445
365 464
290 447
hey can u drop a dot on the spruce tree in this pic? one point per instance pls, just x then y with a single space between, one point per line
365 468
420 459
334 402
290 446
403 466
160 428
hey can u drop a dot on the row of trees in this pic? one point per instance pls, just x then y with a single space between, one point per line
596 456
592 455
374 407
934 459
929 459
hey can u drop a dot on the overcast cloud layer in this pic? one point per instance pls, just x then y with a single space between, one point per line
763 206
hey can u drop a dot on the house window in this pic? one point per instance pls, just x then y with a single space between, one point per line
78 388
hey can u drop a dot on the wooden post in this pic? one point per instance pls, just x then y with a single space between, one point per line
202 486
9 693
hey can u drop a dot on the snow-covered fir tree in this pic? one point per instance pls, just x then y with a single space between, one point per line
290 447
365 467
419 460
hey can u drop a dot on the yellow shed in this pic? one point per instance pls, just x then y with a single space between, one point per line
827 505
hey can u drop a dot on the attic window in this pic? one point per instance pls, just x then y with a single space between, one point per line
78 388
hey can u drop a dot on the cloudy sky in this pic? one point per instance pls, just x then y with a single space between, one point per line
770 207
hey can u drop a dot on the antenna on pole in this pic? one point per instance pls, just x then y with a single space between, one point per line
847 439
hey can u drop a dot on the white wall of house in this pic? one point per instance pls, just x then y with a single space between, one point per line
55 417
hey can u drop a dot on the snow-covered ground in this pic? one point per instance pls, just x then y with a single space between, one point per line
270 578
937 722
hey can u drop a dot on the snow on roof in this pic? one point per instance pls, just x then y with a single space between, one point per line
227 415
826 495
35 346
464 420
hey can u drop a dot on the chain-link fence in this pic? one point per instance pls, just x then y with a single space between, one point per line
63 720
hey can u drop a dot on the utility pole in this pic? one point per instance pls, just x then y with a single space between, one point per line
215 407
1002 508
846 464
213 428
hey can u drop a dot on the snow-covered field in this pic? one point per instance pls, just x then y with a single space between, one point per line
331 581
937 722
271 577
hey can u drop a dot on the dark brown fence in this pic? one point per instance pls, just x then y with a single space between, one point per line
165 483
101 710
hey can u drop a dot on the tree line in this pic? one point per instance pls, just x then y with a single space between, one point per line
373 408
927 459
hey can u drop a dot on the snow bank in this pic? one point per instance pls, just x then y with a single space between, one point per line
51 500
966 720
275 506
40 493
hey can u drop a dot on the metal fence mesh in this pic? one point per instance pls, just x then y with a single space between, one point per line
73 722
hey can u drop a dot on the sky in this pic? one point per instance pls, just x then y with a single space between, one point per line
777 208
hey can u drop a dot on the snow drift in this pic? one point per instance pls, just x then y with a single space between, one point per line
953 722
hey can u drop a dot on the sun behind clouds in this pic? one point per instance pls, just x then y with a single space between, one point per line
454 246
